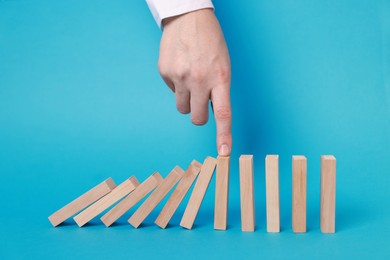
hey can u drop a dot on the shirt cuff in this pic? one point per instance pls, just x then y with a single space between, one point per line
162 9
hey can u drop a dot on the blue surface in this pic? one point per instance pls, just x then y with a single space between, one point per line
81 100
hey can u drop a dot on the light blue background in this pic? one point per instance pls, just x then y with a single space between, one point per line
81 100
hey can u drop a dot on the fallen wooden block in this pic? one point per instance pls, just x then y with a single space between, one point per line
221 192
247 193
133 198
272 192
299 170
104 203
154 199
328 194
178 194
198 193
82 202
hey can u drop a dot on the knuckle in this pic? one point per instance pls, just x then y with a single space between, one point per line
227 136
182 109
180 92
163 69
223 113
181 74
223 75
198 120
197 75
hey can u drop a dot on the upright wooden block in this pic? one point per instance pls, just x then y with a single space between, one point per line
198 193
159 193
221 192
299 172
328 194
81 202
272 192
133 198
178 194
247 193
104 203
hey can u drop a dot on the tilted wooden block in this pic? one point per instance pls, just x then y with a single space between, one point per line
178 194
247 193
328 194
81 202
198 193
154 199
272 192
133 198
104 203
221 192
299 170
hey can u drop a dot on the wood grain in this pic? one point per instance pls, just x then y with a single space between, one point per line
133 198
247 193
178 194
299 173
104 203
328 194
272 192
200 188
155 198
82 202
221 193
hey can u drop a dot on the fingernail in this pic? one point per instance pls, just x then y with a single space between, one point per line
224 150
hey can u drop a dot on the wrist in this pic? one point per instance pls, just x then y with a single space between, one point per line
171 19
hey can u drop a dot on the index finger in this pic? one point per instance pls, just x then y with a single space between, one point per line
220 97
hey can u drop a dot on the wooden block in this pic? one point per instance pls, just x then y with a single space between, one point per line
178 194
299 173
247 193
133 198
272 192
198 193
104 203
328 194
81 202
221 192
158 194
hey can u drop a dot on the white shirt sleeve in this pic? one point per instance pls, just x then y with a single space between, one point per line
167 8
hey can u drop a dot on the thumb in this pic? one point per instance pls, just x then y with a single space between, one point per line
220 97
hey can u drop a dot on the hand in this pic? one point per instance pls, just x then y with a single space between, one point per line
194 63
